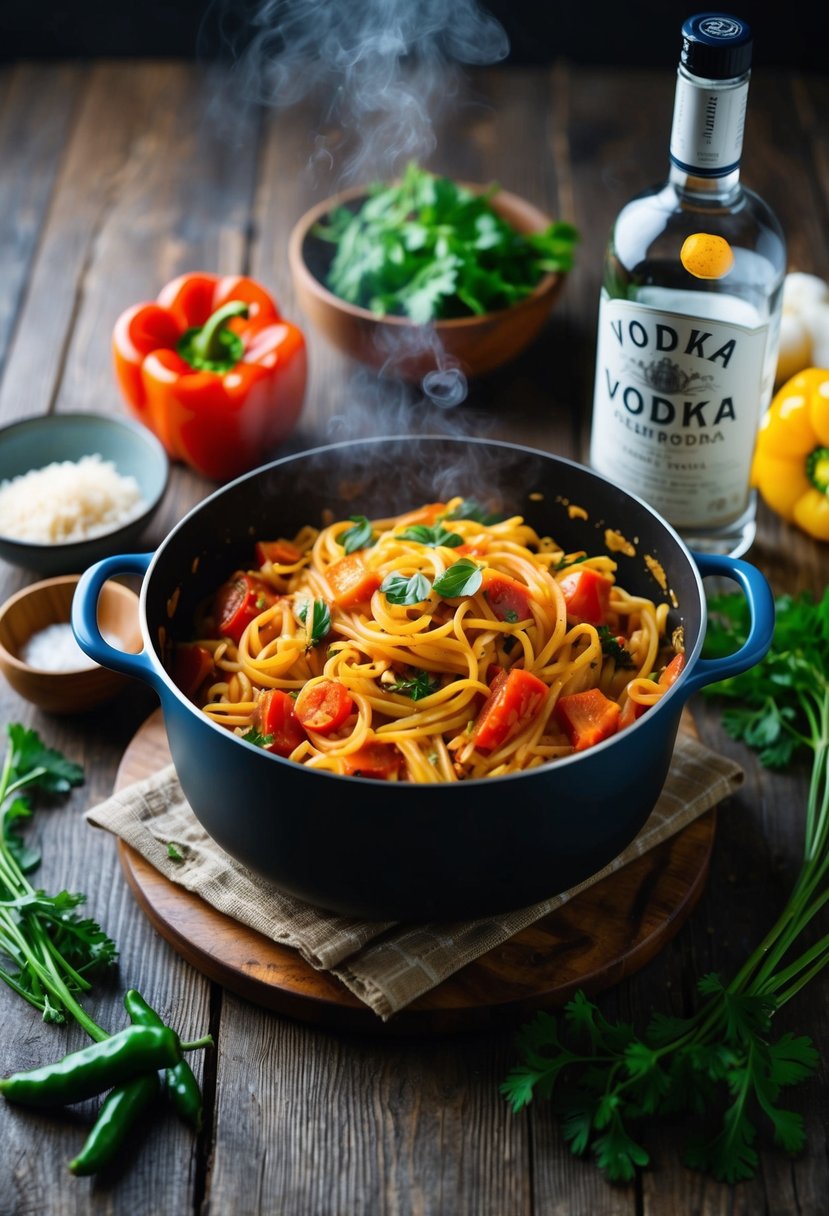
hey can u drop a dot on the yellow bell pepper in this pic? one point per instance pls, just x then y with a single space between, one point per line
791 458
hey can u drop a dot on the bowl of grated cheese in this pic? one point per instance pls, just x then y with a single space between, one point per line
40 657
75 488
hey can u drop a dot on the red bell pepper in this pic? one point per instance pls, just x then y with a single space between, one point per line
351 581
381 761
275 716
280 552
515 697
508 599
588 717
213 370
587 595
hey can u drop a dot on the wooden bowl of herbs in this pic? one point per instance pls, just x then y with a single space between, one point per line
428 274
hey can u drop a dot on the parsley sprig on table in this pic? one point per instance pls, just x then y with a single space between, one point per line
48 954
722 1063
429 249
49 950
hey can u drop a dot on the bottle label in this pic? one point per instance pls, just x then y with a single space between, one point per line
708 125
678 400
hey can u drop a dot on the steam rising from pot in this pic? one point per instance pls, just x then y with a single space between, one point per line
376 75
445 387
380 70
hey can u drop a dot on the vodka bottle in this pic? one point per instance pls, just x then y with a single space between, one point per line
689 316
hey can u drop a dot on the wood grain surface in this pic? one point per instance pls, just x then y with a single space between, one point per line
115 176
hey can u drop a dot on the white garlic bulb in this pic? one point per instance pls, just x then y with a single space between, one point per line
804 325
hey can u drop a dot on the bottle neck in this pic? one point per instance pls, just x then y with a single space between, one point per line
705 189
707 133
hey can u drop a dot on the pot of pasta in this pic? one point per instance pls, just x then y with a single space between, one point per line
423 678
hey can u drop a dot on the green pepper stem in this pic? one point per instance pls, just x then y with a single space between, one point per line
205 1041
817 469
206 345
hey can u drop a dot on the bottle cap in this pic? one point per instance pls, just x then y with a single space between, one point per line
716 46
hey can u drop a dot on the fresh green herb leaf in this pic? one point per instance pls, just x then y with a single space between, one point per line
320 619
432 536
48 950
571 559
361 536
34 764
428 248
174 852
26 855
603 1079
462 578
257 738
613 648
417 686
472 510
321 625
401 590
425 295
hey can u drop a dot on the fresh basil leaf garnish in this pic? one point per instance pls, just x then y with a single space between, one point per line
401 590
462 578
470 509
361 536
432 536
320 619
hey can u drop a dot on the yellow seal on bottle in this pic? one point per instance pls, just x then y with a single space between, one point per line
706 256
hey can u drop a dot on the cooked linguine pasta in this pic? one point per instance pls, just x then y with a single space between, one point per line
433 646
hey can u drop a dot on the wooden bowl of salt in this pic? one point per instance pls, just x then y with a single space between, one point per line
40 657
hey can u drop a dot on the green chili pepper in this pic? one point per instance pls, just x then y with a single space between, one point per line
182 1085
118 1114
82 1074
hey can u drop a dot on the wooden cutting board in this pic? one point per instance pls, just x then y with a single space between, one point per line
594 941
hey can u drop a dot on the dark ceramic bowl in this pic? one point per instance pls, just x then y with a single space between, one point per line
366 848
34 443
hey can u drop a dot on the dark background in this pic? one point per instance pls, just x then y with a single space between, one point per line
640 32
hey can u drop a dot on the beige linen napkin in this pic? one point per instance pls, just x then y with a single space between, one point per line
386 965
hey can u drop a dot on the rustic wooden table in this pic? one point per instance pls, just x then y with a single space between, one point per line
116 176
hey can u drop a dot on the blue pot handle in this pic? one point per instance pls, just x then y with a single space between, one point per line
760 600
757 591
84 618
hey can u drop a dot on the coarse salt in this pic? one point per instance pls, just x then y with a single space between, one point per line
55 648
68 501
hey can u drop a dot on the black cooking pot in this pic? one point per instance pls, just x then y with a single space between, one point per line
396 850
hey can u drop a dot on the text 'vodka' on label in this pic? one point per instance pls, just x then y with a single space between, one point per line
666 382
